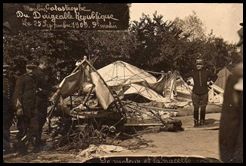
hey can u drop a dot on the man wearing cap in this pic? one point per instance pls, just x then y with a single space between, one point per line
231 122
27 124
202 77
8 109
44 87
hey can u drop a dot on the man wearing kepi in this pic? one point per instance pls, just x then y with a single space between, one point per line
202 77
43 84
231 122
27 123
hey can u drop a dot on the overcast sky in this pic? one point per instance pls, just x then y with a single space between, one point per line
223 18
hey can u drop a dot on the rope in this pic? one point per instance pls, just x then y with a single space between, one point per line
154 72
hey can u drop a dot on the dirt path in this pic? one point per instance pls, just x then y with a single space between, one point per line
191 141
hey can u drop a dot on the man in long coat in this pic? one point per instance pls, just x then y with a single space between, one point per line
231 122
27 123
8 108
43 80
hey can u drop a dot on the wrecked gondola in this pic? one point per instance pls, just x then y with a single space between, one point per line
84 102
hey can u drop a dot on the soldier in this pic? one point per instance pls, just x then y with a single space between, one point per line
26 109
202 77
8 109
44 82
231 122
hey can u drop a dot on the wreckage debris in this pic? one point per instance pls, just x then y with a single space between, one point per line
93 108
95 151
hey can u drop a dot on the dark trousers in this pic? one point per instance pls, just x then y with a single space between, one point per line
202 113
28 132
42 120
200 101
42 115
7 122
8 116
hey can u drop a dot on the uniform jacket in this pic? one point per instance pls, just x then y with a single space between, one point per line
231 123
201 77
41 79
8 90
43 90
26 93
8 102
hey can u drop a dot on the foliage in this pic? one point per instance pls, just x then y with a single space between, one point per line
150 43
192 27
156 42
167 45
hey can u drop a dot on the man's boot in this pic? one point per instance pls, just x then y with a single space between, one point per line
196 113
41 141
36 145
22 148
202 115
6 147
196 123
202 122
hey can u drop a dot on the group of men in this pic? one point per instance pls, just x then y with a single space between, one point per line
26 99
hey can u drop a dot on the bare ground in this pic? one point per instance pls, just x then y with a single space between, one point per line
192 141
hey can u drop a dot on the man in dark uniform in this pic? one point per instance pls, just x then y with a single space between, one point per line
8 88
231 122
8 107
43 80
202 77
27 123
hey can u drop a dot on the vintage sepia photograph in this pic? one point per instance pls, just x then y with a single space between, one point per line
122 83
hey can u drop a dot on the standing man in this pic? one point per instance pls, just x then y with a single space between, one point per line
27 123
44 87
8 108
8 89
202 77
231 122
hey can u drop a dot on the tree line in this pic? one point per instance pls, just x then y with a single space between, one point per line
151 43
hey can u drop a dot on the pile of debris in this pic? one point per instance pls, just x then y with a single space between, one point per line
98 106
82 136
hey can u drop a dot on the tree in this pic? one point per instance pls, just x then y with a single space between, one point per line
166 45
150 43
157 43
64 48
192 27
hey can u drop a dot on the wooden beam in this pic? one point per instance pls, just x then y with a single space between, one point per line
144 124
150 107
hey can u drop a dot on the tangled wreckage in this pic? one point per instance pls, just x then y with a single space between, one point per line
116 100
